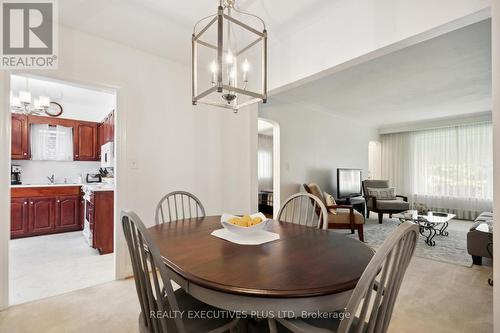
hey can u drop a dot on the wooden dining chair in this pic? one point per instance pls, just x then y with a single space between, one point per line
178 205
157 298
304 209
372 301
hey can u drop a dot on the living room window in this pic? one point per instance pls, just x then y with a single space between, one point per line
447 169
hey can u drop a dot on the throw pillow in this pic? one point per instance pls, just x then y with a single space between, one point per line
382 193
330 201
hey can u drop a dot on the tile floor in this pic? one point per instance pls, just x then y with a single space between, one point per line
49 265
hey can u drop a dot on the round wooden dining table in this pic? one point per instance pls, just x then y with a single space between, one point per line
307 269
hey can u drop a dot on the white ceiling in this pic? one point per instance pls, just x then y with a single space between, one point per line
78 102
446 76
164 27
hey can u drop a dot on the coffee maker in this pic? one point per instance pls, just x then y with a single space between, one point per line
15 175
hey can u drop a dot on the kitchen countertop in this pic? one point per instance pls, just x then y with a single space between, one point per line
94 186
44 185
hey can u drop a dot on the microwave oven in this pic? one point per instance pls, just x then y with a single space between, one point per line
107 155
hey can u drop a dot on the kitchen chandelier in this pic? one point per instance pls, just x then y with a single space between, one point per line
229 69
22 103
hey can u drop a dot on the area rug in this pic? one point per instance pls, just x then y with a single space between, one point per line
451 249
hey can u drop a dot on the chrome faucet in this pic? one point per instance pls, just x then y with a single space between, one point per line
51 179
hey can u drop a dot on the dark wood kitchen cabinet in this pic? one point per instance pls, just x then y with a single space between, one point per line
81 212
85 141
85 145
42 215
19 217
45 210
19 137
68 213
108 130
100 139
100 214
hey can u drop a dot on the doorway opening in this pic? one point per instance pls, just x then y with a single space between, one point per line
62 187
268 166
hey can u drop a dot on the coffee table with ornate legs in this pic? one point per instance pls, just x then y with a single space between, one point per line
430 225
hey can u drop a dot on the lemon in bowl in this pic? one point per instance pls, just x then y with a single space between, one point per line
246 224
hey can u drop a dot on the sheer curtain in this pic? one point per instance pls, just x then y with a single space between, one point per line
64 143
51 143
265 162
39 141
446 169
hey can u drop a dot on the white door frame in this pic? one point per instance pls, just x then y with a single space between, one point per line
5 161
276 165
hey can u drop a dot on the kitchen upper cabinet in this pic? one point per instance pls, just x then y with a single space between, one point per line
18 216
67 212
19 140
100 139
85 137
42 215
85 145
108 128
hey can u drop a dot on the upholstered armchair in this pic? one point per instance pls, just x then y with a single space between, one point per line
397 204
339 216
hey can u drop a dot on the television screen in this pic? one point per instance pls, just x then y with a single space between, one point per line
348 183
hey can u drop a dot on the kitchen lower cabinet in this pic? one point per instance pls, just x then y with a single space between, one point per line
68 213
42 215
45 210
19 217
100 217
81 212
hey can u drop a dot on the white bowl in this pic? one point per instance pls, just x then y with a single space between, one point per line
224 220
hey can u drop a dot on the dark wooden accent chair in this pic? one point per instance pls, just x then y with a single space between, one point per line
345 217
390 206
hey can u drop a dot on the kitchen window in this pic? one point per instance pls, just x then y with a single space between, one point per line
51 143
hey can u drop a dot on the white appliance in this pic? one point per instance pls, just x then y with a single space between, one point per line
88 215
107 155
88 197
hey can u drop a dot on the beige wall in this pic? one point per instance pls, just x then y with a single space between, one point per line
313 144
172 144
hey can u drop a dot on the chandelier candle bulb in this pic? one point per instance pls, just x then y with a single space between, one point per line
245 67
213 69
25 97
44 101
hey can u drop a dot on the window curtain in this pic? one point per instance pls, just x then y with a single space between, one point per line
265 162
39 141
64 143
51 143
446 169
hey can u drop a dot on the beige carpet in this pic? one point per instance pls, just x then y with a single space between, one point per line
435 297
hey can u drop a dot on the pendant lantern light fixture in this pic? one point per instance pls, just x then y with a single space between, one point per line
229 58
